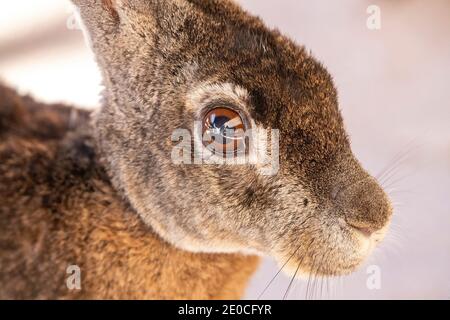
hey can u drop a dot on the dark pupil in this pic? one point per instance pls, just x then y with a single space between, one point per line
218 122
220 131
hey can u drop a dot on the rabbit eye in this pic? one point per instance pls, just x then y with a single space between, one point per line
223 131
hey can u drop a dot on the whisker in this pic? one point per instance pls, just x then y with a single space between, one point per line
315 279
290 257
290 283
296 271
309 280
278 272
399 157
390 184
282 267
393 171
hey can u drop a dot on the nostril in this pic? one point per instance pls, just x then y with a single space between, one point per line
366 231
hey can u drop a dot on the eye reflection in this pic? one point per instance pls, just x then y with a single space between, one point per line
223 131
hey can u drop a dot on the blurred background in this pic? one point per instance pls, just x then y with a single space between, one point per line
394 92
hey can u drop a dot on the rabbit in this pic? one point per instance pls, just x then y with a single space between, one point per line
101 191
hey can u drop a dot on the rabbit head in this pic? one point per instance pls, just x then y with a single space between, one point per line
168 65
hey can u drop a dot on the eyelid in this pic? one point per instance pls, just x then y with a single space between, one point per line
244 116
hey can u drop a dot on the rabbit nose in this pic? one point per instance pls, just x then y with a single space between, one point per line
365 206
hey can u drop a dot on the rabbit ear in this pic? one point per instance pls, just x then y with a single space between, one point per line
107 20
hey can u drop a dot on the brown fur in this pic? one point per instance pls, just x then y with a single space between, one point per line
57 208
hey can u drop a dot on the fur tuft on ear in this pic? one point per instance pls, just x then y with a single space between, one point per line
122 31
